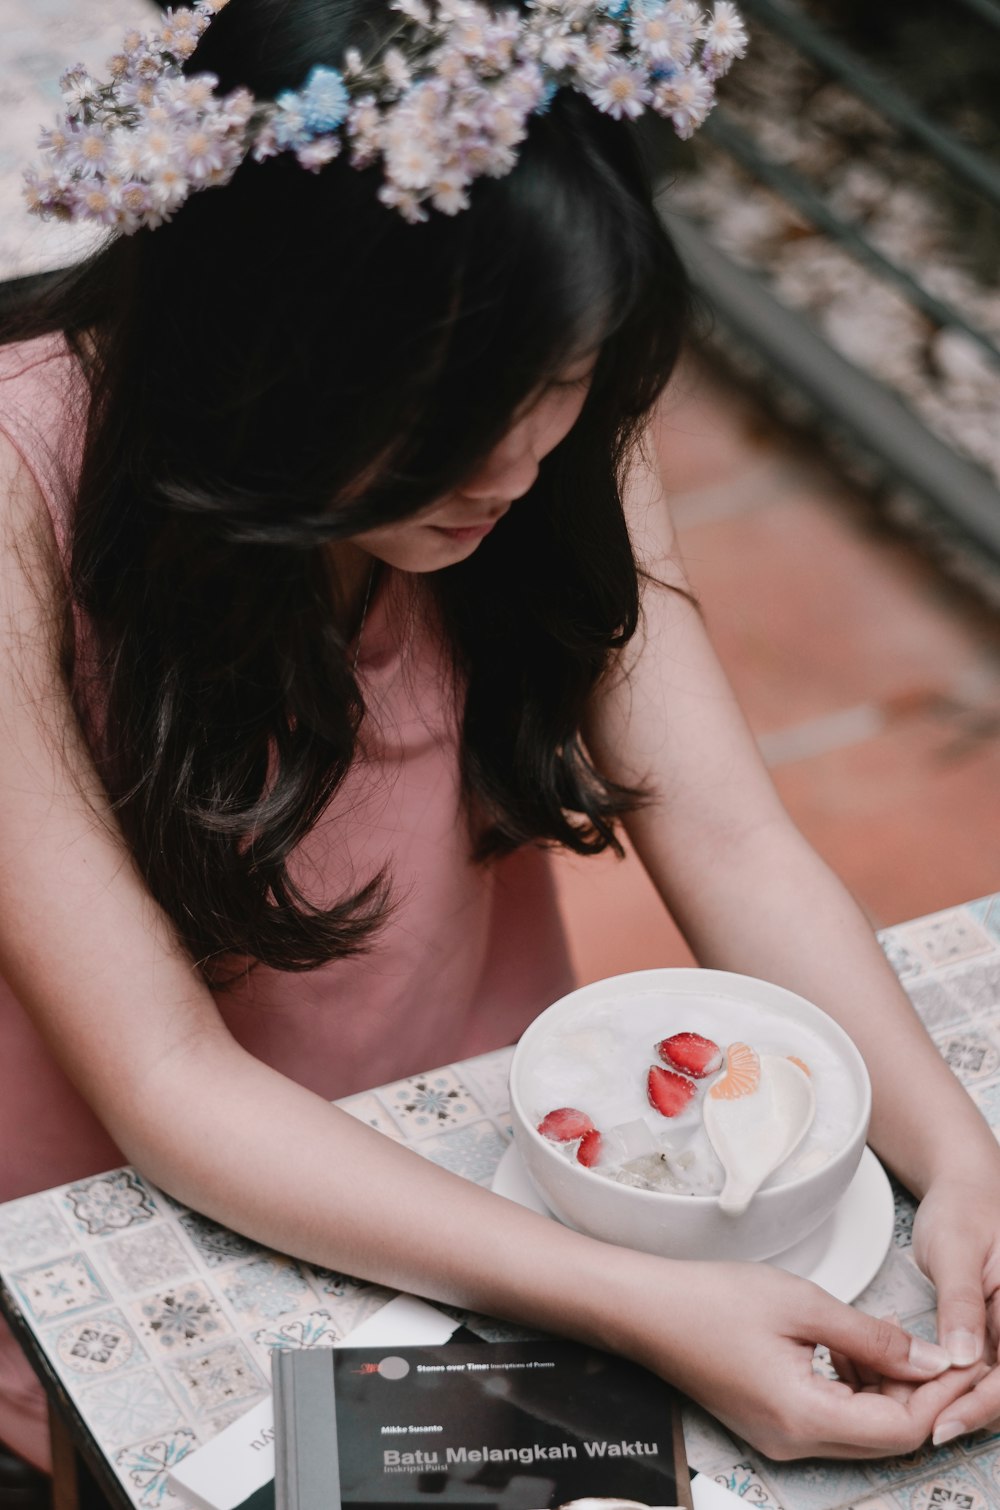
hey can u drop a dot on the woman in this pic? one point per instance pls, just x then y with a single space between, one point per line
337 585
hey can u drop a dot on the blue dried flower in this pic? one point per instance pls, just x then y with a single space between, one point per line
548 95
324 100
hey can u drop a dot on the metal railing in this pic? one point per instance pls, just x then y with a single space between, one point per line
879 420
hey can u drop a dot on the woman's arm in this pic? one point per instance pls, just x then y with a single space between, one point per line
98 967
752 896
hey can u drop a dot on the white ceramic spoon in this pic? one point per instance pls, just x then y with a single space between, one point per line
755 1130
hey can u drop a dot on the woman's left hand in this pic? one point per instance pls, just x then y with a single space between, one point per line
956 1243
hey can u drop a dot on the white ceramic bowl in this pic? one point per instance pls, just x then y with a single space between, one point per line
674 1225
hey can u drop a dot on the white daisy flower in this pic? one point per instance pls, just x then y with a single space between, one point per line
402 200
137 94
621 90
133 203
186 21
168 189
233 113
507 126
449 64
448 193
498 161
364 127
147 66
93 201
184 44
54 140
89 151
662 37
127 158
559 52
601 47
412 160
156 148
78 89
40 190
457 10
191 94
415 9
265 144
316 154
687 12
396 68
201 152
687 98
469 37
363 118
725 32
524 88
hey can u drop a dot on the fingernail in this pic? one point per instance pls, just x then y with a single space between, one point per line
928 1357
963 1348
947 1431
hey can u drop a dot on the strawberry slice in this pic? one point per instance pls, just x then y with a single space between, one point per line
565 1124
590 1148
668 1093
691 1053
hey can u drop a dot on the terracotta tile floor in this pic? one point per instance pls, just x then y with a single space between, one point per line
872 684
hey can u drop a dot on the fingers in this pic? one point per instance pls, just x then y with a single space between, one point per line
878 1346
956 1271
896 1389
861 1376
881 1423
846 1371
858 1376
979 1407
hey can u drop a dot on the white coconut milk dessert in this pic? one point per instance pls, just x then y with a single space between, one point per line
647 1108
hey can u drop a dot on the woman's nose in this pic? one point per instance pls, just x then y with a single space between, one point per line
508 472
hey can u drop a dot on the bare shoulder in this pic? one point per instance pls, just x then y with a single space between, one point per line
31 576
34 614
648 513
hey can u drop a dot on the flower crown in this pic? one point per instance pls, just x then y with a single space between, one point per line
446 101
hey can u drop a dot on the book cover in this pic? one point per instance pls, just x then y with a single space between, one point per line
235 1470
503 1426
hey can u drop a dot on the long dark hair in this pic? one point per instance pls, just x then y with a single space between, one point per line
249 362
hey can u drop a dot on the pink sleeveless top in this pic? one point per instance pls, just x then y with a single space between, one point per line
468 956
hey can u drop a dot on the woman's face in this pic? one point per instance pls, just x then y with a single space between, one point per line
449 529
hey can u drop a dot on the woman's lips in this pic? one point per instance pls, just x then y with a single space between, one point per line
464 534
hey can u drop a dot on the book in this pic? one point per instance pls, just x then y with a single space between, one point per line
235 1470
497 1426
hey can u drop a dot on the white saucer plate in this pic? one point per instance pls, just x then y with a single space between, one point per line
843 1255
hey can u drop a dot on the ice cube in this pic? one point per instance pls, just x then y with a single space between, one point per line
629 1140
651 1172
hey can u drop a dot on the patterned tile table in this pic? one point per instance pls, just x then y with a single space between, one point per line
157 1324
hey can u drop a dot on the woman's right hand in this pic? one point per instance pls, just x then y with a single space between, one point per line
740 1338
